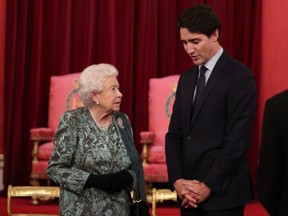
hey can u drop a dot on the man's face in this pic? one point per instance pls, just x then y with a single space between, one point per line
198 46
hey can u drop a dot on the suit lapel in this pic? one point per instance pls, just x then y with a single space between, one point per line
214 78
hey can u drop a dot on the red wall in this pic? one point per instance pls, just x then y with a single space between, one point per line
274 42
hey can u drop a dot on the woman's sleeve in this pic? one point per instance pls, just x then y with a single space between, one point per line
61 168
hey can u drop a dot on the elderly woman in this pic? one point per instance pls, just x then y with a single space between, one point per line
94 159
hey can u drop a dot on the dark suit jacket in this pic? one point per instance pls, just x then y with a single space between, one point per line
212 147
272 177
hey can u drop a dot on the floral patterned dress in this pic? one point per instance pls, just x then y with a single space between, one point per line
81 148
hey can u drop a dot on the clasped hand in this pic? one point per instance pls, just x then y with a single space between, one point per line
192 192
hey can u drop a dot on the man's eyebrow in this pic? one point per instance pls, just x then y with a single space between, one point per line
193 40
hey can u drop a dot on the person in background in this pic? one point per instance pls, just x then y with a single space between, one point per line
212 122
94 159
272 174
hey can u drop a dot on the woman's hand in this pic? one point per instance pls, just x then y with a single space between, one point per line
122 180
110 182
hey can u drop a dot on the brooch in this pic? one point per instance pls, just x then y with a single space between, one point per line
120 123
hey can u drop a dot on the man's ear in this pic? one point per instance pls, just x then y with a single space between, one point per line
215 35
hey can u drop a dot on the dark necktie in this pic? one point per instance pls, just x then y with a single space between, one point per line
200 85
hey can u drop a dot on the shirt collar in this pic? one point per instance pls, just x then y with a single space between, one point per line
212 62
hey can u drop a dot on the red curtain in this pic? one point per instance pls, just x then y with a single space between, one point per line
2 54
54 37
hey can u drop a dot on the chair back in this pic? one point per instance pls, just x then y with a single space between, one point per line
63 96
160 102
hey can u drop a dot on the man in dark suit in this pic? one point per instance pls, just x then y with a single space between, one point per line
209 133
272 176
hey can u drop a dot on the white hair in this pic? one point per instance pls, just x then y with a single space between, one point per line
92 79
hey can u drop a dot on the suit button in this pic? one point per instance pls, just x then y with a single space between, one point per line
189 138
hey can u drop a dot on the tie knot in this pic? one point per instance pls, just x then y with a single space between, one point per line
203 69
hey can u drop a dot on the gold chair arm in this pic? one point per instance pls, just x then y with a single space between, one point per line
30 191
35 151
161 195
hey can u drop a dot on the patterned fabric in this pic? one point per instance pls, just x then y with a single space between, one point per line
82 148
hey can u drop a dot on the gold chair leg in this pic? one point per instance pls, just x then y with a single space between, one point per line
148 188
34 199
154 202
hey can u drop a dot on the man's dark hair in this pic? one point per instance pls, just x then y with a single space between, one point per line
200 19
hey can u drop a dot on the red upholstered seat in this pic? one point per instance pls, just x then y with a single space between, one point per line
160 101
45 150
63 96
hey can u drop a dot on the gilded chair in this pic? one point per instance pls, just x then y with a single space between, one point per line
63 96
161 97
30 191
161 195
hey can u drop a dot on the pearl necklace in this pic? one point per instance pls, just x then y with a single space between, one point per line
102 127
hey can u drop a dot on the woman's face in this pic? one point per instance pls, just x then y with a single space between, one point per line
110 97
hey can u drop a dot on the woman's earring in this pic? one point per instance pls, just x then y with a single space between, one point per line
97 102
